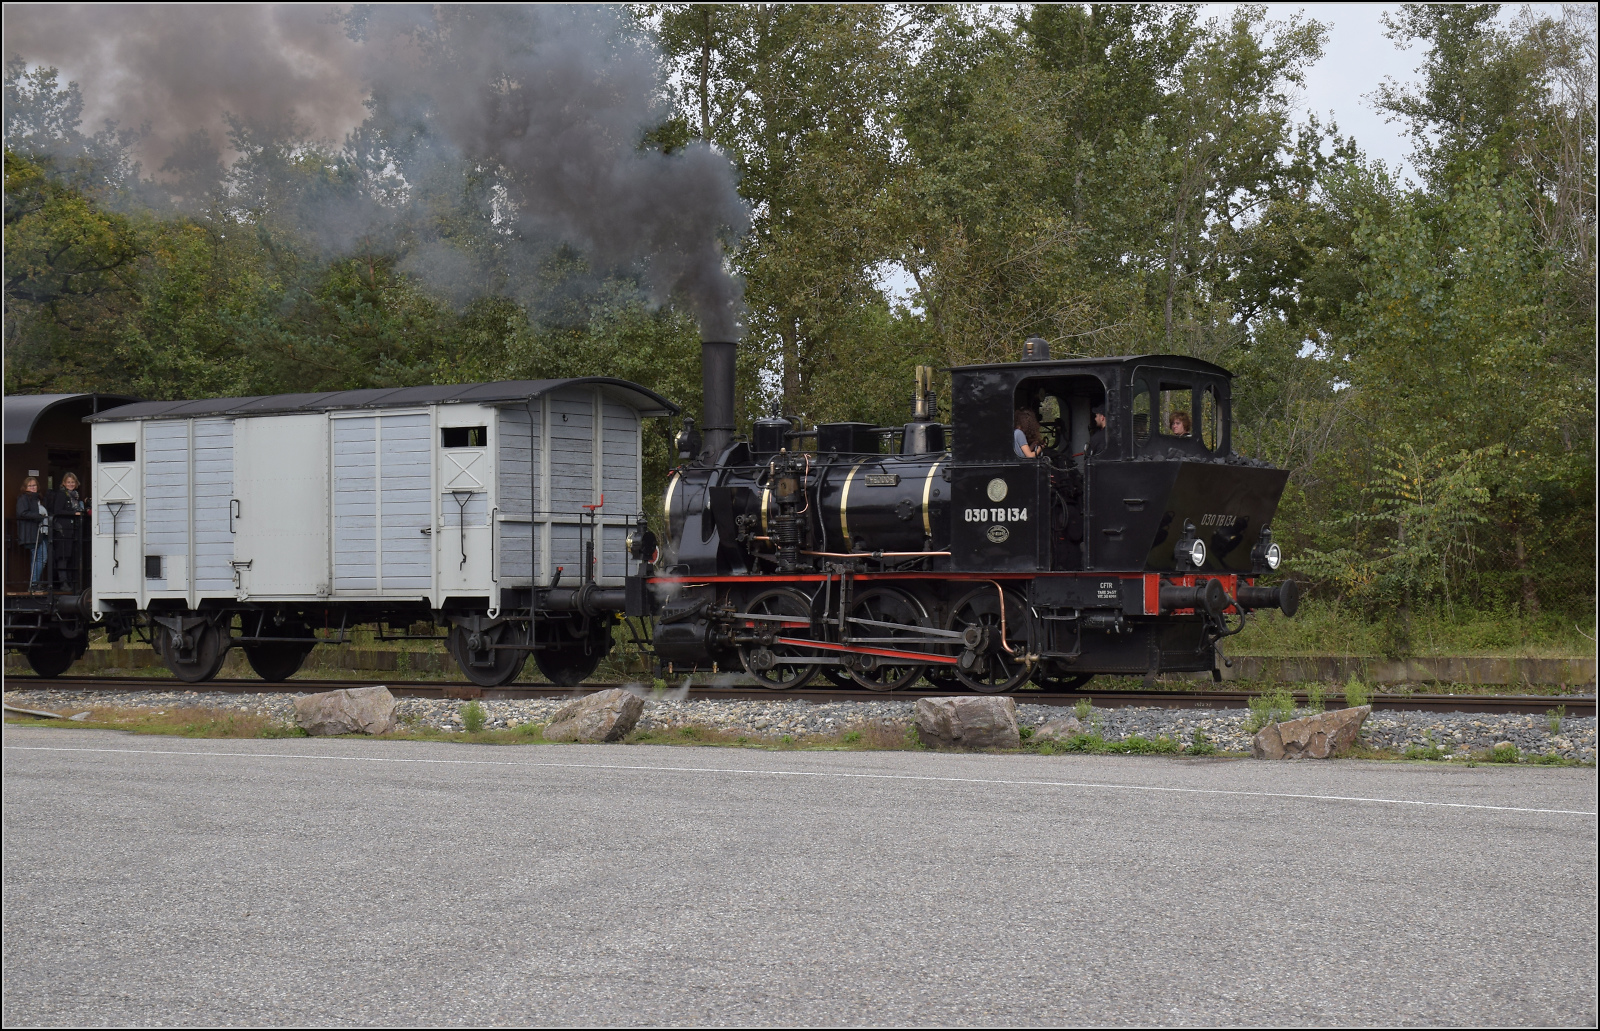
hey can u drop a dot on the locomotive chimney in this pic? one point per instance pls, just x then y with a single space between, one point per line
716 379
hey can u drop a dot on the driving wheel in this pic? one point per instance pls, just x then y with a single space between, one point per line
883 618
771 664
1002 664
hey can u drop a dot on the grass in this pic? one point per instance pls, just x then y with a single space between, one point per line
1326 628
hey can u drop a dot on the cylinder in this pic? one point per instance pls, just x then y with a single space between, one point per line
717 358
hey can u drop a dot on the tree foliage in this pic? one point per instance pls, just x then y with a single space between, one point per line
1116 178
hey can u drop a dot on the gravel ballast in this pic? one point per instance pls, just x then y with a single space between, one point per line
1454 733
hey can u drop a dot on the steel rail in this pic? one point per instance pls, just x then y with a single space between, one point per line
1575 705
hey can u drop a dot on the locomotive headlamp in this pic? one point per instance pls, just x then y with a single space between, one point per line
1266 553
1195 551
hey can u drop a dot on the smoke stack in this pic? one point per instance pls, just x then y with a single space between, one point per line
716 379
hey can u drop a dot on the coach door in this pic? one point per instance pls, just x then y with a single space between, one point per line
279 509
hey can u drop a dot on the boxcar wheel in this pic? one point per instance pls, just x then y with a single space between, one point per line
568 665
487 666
280 660
210 649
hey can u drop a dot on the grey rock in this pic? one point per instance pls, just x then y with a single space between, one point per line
603 716
1310 737
968 721
1059 730
349 710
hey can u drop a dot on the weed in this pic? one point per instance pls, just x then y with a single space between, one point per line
1316 699
1201 745
1025 732
1504 752
473 717
1094 744
1273 706
852 736
1083 708
277 730
1356 693
1556 715
1428 751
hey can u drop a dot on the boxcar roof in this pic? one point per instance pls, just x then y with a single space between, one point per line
23 411
1172 361
646 401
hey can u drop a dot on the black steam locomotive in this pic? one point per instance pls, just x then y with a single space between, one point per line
1119 534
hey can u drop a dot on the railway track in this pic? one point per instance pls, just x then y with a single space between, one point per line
1575 705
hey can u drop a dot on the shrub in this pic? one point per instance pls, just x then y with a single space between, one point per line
1273 706
1356 693
473 717
1201 745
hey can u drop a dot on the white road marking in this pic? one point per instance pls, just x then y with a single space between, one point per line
808 773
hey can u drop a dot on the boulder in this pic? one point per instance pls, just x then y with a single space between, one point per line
603 716
968 721
1310 737
1064 729
349 710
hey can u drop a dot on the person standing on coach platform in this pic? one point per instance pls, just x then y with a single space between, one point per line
67 512
33 530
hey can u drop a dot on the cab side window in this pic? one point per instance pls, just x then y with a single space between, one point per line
1141 412
1209 419
1177 410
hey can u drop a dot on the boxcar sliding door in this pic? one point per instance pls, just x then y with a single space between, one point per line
280 506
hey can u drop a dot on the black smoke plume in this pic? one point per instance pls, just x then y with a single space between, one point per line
548 104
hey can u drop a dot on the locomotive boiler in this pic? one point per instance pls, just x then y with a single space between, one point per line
1131 540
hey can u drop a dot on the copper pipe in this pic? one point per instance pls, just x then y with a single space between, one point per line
871 554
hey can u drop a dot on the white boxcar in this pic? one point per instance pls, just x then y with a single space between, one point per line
321 510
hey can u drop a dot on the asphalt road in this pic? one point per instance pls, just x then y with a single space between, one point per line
162 881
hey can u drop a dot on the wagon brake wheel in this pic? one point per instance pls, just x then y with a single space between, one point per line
767 664
998 669
888 605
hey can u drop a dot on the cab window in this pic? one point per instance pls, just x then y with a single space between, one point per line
1177 410
1209 419
1141 413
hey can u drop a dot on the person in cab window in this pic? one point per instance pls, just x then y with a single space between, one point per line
1097 429
1178 423
1028 438
67 511
33 530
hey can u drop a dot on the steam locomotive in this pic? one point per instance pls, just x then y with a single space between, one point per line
1130 541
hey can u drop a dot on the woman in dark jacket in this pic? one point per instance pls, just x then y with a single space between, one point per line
33 530
67 523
